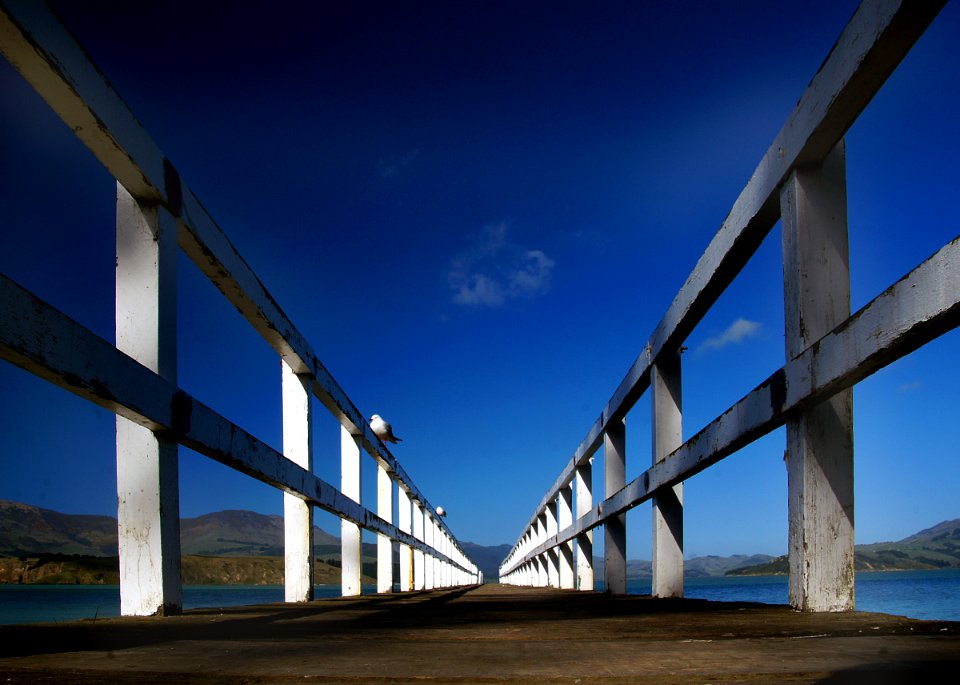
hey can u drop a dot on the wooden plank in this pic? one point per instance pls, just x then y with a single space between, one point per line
868 50
916 310
819 456
42 340
48 57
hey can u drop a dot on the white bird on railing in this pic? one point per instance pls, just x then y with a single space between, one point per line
441 512
382 429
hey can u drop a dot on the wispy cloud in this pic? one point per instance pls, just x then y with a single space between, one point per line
910 387
494 270
736 333
391 165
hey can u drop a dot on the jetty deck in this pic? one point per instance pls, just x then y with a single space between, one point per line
486 634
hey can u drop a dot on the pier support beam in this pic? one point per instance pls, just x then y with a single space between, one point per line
297 514
384 544
553 556
350 539
419 571
820 441
428 575
668 503
615 527
148 499
565 520
404 523
583 483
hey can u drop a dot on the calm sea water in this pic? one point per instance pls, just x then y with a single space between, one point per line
918 594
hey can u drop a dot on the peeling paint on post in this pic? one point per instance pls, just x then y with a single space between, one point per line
148 500
668 503
553 557
350 539
297 514
820 441
564 521
384 544
615 528
419 570
404 522
583 482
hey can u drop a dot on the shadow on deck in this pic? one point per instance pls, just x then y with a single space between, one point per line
488 634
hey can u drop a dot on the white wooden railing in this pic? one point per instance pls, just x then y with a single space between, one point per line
801 181
137 378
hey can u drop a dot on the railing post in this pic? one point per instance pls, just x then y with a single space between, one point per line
419 562
553 555
406 552
543 570
148 500
437 544
350 538
667 503
820 441
564 521
384 544
615 528
297 514
428 577
583 482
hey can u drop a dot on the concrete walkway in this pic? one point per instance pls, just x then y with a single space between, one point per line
489 634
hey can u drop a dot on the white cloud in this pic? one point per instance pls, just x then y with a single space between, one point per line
736 333
494 270
910 387
391 165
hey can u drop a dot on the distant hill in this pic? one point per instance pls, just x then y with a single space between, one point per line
63 569
933 548
28 530
487 559
698 567
25 529
240 533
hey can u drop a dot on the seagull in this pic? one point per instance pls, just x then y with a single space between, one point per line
441 512
382 429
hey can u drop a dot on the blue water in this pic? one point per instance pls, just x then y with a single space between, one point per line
933 595
57 603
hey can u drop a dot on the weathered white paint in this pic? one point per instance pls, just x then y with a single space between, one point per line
819 441
667 433
384 544
405 523
565 519
297 514
350 538
615 527
148 502
584 542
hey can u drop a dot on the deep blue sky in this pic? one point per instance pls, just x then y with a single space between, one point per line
477 213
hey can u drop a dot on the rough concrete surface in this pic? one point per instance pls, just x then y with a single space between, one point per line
488 634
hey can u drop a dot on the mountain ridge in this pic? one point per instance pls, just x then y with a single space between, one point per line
30 531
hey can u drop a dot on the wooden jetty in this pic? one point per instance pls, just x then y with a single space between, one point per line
486 634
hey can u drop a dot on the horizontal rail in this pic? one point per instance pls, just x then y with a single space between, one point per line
870 47
46 342
919 308
55 65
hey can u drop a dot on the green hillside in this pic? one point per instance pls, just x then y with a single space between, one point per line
933 548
